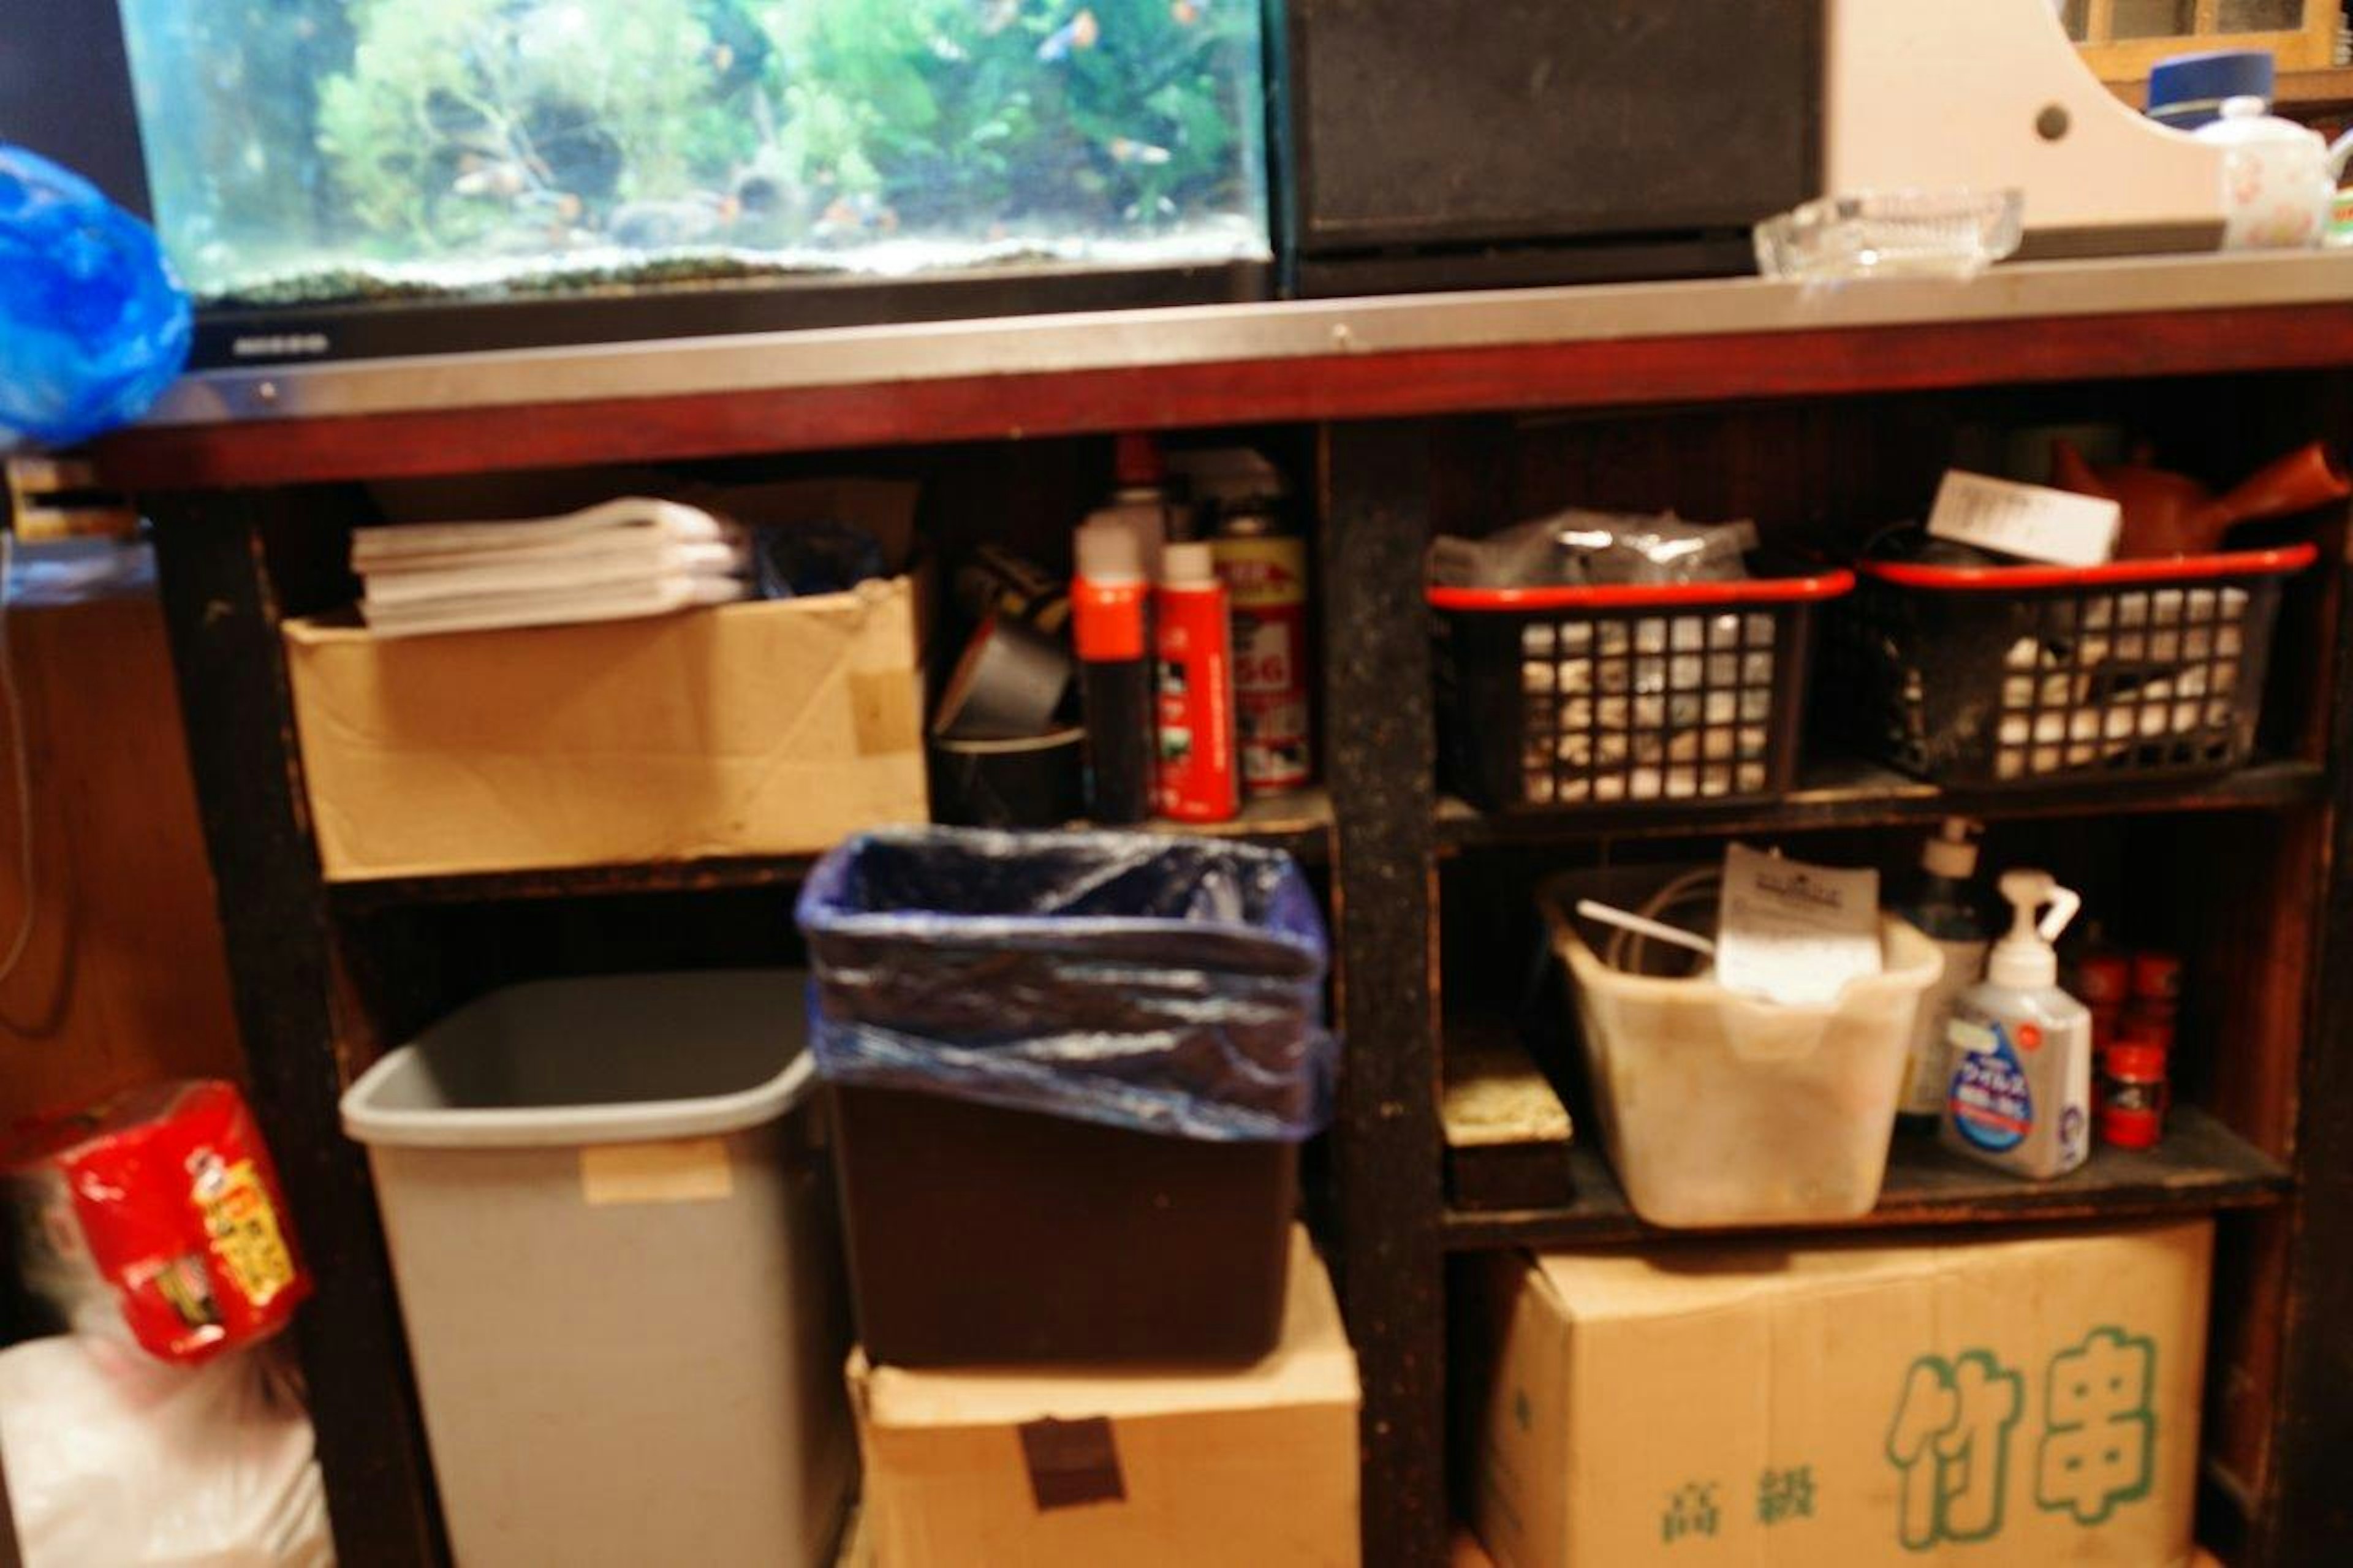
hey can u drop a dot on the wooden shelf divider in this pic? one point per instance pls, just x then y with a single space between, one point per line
1299 823
2200 1167
1838 794
1620 346
1847 794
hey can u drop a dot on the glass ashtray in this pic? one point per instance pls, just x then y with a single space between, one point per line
1891 234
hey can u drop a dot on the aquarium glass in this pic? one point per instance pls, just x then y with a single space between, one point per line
332 151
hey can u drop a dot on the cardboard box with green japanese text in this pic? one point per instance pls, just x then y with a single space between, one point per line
2023 1400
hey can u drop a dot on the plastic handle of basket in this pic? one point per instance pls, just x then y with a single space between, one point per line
1657 930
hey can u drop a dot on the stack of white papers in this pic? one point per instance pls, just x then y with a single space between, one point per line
621 559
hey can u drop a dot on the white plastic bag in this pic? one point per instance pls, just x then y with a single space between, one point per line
114 1457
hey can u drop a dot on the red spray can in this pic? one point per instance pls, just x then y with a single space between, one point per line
1111 619
1200 780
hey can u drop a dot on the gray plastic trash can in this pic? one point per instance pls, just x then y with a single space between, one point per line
620 1270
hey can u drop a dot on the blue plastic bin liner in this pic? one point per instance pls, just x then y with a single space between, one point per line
93 326
1169 985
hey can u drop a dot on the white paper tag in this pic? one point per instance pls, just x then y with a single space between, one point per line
2026 520
1794 932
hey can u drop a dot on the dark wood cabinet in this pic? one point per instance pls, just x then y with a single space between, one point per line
1823 419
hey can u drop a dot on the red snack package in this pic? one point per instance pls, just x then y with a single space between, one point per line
158 1210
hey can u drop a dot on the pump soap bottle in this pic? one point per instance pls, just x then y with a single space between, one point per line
1961 916
2021 1091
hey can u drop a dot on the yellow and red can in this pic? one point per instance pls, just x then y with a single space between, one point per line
1265 573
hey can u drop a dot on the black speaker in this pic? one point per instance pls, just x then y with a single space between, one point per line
1475 144
65 92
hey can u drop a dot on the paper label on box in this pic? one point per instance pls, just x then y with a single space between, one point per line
886 712
679 1171
1795 933
2030 522
1073 1463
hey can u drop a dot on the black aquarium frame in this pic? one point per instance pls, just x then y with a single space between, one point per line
66 92
311 334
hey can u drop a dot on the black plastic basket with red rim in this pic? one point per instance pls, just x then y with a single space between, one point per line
2031 674
1575 697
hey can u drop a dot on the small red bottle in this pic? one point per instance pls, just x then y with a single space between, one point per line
2103 984
2133 1094
2155 1005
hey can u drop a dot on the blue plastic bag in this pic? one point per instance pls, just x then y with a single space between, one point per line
1169 985
93 326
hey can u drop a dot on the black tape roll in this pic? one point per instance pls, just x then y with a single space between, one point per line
1009 684
1029 782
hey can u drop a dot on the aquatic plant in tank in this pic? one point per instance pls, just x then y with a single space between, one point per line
319 151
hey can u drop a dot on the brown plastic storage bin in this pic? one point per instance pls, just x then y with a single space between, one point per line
979 1235
1072 1073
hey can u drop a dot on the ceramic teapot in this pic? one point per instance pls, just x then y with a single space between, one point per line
2173 515
2279 180
2340 221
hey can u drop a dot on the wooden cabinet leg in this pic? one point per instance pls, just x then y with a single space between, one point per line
219 605
1387 1156
2306 1512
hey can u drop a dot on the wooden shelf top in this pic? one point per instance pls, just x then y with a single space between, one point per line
1625 345
1300 824
2304 94
1846 793
2202 1166
1833 795
2314 91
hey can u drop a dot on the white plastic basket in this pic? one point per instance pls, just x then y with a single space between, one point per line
1723 1109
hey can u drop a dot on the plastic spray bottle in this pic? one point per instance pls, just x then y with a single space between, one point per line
1199 767
1140 498
1952 910
2020 1092
1110 624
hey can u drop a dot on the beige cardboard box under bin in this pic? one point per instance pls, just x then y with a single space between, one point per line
619 1271
2028 1401
754 729
1123 1466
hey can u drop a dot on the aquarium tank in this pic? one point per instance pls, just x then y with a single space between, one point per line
305 153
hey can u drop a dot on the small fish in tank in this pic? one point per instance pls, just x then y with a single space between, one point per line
320 152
